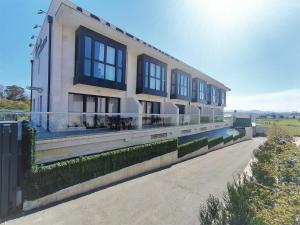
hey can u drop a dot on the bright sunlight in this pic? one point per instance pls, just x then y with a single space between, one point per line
227 14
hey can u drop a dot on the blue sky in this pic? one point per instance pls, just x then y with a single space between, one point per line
252 46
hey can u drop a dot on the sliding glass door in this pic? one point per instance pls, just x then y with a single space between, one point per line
92 106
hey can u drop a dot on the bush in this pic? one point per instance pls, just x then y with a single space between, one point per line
47 179
241 134
227 139
191 146
215 141
270 196
28 146
14 104
236 137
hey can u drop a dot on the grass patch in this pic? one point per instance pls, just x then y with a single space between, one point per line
291 125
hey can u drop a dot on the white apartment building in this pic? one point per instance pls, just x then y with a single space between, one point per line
84 64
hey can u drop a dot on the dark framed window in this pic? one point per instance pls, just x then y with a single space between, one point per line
150 107
81 103
151 76
199 90
213 95
222 97
181 108
180 85
100 61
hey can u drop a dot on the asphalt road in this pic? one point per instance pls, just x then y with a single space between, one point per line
168 197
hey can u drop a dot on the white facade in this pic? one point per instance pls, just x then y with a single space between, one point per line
67 18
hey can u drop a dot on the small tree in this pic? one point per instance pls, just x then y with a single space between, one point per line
15 92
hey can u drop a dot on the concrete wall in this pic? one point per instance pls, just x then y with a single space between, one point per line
120 175
61 148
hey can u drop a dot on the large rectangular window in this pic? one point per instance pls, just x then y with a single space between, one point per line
79 103
180 85
150 107
151 76
222 97
213 95
199 90
100 61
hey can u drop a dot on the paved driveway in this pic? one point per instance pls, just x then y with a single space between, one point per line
168 197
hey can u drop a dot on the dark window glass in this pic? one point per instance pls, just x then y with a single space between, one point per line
113 105
110 55
119 75
150 107
87 67
163 78
152 83
87 55
119 65
99 70
146 74
110 72
99 51
153 76
103 61
120 58
88 47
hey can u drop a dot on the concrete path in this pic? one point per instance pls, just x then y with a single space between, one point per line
168 197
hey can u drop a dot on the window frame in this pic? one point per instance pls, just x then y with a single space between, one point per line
199 90
152 103
144 76
81 78
222 99
178 87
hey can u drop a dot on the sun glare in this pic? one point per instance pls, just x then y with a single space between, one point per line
226 14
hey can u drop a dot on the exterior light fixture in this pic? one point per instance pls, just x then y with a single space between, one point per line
30 45
41 12
36 26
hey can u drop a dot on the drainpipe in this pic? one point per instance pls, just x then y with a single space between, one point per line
50 21
31 61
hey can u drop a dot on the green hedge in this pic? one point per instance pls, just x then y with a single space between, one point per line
215 141
191 146
236 137
28 146
241 134
228 139
47 179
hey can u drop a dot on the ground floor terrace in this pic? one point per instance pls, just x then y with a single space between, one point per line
118 130
77 111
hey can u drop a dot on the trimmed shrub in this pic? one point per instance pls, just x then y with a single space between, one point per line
215 141
47 179
191 146
227 139
242 133
271 196
28 146
236 137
